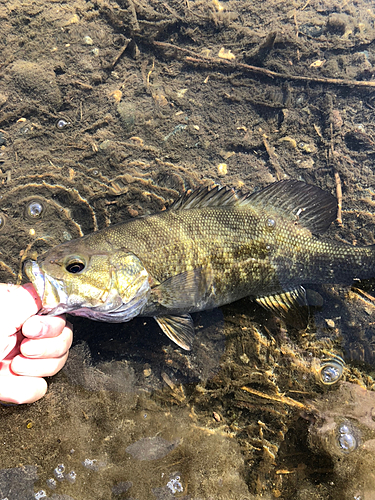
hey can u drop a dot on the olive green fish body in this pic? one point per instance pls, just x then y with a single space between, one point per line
208 251
210 248
230 253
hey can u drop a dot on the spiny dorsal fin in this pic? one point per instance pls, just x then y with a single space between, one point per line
216 196
312 207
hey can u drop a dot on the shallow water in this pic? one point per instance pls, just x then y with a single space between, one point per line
98 123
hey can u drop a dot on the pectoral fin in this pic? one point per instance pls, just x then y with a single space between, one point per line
291 306
180 329
190 289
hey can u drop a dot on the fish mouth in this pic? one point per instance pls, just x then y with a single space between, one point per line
51 291
55 299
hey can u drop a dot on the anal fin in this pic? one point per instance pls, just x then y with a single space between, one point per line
179 328
291 306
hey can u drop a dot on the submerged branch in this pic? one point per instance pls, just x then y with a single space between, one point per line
196 58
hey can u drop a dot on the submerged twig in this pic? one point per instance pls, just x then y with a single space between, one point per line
193 57
339 198
273 158
279 398
120 53
337 180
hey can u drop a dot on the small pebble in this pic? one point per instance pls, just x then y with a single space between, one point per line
74 20
244 358
330 323
103 146
222 169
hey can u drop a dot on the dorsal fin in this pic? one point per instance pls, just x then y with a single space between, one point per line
216 196
312 207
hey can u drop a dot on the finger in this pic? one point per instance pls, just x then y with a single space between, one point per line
54 347
37 367
18 304
43 326
14 389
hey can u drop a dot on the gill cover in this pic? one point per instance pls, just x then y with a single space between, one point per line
113 289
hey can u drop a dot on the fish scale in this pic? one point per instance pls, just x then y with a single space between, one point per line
212 247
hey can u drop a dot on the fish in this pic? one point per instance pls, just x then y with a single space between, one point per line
211 247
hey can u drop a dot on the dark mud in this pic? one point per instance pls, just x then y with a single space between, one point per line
110 110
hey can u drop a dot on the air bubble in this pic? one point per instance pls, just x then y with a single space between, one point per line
58 472
40 494
331 370
175 485
91 464
2 221
34 209
51 483
344 429
347 440
71 477
271 223
62 124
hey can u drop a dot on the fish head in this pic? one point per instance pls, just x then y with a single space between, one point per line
106 285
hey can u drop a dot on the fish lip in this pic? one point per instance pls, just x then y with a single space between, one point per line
47 288
36 276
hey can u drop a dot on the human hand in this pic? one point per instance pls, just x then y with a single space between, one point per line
31 347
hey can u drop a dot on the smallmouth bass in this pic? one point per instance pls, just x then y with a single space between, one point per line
210 248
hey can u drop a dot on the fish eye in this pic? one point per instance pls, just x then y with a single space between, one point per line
75 266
